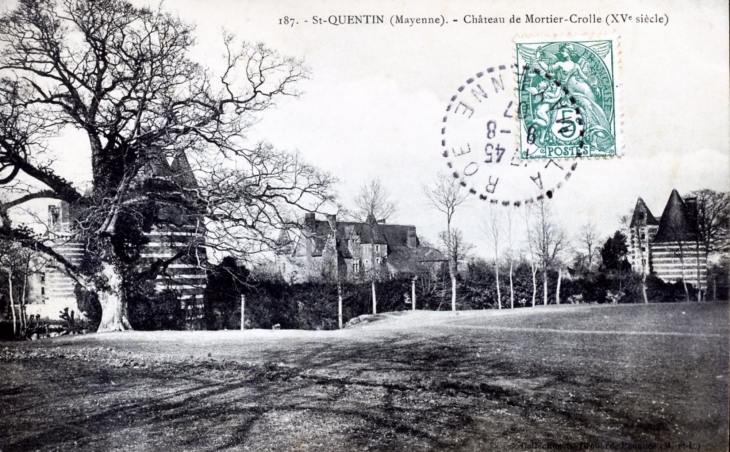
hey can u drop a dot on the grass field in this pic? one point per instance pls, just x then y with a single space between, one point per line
620 377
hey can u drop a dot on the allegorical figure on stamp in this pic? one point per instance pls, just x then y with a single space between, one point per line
561 77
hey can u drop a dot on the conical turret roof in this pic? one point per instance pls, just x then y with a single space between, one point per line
182 172
676 224
642 215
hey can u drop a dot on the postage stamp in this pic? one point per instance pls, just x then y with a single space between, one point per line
567 99
480 146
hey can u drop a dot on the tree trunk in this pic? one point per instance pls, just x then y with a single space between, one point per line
710 274
557 289
644 263
339 303
684 280
452 265
499 292
23 322
699 279
243 312
544 288
375 299
453 293
534 286
113 304
12 301
590 255
511 288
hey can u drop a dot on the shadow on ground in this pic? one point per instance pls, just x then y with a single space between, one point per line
441 387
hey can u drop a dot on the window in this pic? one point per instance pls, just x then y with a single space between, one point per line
377 260
356 266
377 248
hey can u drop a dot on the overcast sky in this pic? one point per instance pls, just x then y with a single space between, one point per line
373 105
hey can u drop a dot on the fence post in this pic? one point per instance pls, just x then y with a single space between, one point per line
413 293
339 304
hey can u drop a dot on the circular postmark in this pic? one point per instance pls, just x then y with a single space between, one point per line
481 147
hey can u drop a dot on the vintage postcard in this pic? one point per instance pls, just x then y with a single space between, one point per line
364 225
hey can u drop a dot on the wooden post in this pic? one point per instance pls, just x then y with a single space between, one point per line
243 312
375 299
413 293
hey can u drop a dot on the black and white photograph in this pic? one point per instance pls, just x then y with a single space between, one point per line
246 225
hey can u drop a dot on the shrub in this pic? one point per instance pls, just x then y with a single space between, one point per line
161 311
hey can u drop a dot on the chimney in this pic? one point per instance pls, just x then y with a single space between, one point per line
310 223
64 213
412 240
309 232
332 220
691 206
53 216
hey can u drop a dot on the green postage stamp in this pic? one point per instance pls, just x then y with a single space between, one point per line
567 99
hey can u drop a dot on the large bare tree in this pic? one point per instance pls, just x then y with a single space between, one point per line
122 75
445 194
713 225
373 204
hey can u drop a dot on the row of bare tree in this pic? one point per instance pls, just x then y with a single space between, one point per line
533 234
545 242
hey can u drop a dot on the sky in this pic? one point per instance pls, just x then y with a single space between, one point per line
373 104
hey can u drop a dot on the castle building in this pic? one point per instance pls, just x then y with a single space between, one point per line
175 233
352 251
669 246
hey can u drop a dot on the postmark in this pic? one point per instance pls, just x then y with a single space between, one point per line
480 143
567 99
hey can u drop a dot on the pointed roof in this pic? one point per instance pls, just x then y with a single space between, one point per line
157 167
676 223
642 215
182 172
